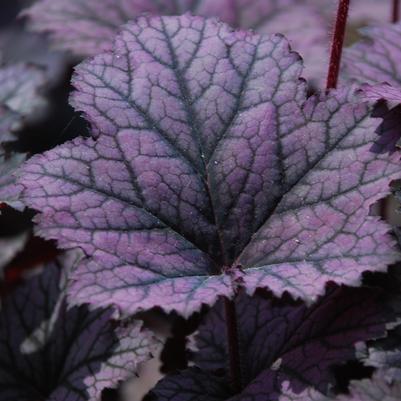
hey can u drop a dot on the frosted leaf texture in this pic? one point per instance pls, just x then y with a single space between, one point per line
88 26
279 343
50 352
209 169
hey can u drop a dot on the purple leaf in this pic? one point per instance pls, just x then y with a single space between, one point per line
373 93
280 343
51 352
88 27
209 161
363 12
374 60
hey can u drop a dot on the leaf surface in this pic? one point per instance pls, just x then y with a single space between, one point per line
51 352
208 161
280 344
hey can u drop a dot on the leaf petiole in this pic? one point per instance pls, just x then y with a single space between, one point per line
337 44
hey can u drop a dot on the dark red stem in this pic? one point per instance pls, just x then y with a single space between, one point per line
337 45
396 11
233 345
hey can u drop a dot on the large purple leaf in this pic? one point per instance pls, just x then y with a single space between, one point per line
208 158
279 343
51 352
88 27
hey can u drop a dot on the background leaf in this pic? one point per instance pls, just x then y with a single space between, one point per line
280 343
51 352
88 27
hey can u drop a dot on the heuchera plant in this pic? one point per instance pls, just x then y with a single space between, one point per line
216 183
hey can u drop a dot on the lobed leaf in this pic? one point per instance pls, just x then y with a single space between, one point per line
210 161
280 344
51 352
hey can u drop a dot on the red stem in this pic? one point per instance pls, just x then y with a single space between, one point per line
396 11
232 344
337 45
